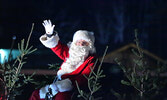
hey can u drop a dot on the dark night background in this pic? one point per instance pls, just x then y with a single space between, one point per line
112 21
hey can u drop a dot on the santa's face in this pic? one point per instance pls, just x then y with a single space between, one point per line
82 43
78 51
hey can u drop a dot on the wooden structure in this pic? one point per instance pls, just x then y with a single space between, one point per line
126 56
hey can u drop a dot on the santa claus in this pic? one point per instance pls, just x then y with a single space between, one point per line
79 58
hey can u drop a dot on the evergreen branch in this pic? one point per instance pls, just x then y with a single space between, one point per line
139 76
137 44
29 36
93 79
80 91
11 74
102 59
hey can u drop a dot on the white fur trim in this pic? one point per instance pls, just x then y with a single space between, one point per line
84 35
64 85
49 42
60 73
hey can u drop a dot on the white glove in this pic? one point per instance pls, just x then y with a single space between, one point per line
44 90
59 86
49 28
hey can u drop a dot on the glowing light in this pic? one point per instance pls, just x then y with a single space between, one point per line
4 54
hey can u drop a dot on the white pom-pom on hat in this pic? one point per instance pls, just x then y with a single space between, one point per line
84 35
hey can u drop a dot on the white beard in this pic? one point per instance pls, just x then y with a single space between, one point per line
77 55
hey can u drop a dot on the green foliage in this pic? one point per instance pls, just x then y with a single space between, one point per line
93 82
140 76
11 73
48 79
54 67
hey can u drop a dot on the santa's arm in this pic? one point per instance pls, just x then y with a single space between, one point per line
61 50
51 40
55 45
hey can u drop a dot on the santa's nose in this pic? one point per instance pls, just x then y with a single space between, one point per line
81 44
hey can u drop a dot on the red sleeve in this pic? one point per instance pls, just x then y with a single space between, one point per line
61 50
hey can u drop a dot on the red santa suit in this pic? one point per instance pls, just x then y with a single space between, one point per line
63 90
